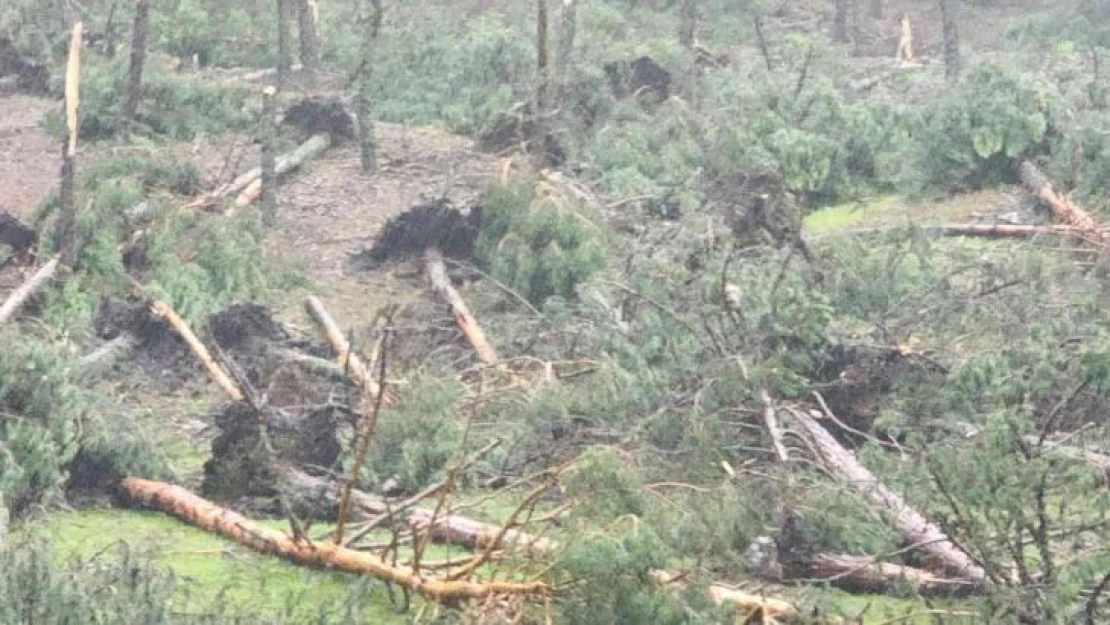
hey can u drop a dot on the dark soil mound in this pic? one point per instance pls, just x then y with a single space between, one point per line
30 77
638 76
16 236
242 466
435 224
159 350
316 114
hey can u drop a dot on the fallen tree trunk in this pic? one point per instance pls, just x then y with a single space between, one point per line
18 297
990 231
437 276
164 312
356 368
864 574
1061 206
925 536
755 608
315 146
1096 459
248 186
210 517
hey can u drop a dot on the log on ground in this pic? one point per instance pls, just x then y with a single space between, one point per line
210 517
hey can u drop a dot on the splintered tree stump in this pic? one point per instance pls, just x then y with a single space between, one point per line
1038 184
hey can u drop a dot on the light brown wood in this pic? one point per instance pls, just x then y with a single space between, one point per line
358 370
437 276
754 608
918 531
18 297
1037 183
864 574
73 88
166 313
325 555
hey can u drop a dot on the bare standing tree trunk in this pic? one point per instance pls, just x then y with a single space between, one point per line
267 139
568 29
878 11
948 11
310 42
285 52
367 148
688 27
840 21
138 58
67 214
542 104
761 39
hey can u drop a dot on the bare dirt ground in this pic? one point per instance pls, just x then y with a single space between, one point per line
29 158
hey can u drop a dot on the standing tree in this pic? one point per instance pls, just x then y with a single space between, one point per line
285 53
267 139
687 33
367 147
878 11
67 215
840 21
139 34
542 108
307 16
948 10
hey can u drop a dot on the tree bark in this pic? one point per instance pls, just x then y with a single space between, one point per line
989 231
310 41
67 215
268 171
285 51
688 24
18 297
878 11
1062 208
568 30
437 276
918 531
139 33
950 31
210 517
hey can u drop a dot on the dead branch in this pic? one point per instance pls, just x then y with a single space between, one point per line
990 231
437 275
210 517
773 426
754 608
917 530
18 297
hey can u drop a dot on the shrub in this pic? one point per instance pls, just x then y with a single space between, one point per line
539 240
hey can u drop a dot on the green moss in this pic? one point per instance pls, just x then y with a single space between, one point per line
847 216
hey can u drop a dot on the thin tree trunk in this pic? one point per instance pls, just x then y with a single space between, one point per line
368 153
542 107
948 16
285 163
67 216
285 51
568 29
840 21
267 140
878 11
761 40
310 43
166 313
139 34
688 25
